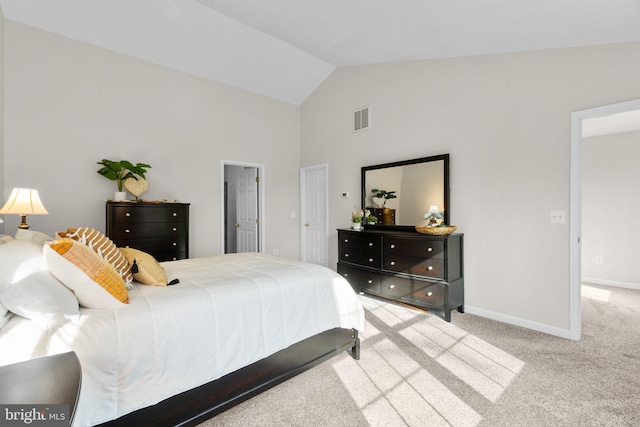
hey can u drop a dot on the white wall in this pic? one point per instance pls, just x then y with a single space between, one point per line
505 120
610 206
69 104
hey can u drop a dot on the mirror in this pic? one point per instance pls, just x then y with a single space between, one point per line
417 185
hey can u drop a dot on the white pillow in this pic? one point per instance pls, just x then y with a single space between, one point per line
32 236
89 293
39 296
18 259
4 238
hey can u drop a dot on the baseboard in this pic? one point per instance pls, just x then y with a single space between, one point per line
540 327
617 284
516 321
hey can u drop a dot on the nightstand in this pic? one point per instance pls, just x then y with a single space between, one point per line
51 380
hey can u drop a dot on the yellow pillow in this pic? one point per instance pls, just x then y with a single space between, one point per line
149 272
104 247
94 281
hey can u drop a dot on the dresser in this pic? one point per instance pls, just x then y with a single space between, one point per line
405 266
384 215
160 229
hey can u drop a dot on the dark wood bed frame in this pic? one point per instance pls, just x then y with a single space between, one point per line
197 405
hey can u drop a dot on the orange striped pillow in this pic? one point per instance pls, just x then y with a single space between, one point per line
92 277
105 248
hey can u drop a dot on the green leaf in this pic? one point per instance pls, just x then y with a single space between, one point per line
122 170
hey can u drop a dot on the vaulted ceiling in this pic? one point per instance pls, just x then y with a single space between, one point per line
285 48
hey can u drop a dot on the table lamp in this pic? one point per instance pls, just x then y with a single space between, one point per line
23 202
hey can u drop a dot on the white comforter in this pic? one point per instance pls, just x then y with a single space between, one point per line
227 312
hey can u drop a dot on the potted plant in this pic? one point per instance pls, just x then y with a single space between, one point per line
370 219
356 220
383 194
121 171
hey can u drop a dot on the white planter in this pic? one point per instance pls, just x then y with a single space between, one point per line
356 225
119 196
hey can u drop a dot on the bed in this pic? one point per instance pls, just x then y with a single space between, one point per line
232 327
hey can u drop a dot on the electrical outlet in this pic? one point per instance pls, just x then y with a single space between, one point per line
558 217
345 195
599 259
275 252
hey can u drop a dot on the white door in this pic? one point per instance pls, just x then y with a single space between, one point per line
247 210
314 215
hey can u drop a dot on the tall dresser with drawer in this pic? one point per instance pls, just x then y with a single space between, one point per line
160 229
403 265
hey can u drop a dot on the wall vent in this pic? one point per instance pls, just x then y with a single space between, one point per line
361 119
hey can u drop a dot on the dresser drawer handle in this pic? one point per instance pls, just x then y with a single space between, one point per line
393 263
346 255
430 268
174 244
392 286
346 274
127 214
370 281
127 231
430 250
174 229
370 244
174 258
346 240
429 293
393 246
370 259
175 214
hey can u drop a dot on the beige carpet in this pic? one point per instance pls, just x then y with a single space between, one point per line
418 370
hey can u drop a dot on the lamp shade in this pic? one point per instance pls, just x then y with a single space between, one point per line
24 201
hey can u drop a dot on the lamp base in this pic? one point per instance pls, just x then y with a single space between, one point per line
23 225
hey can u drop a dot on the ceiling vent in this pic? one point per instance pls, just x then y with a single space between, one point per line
361 119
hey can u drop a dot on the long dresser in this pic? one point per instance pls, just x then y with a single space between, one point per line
417 269
160 229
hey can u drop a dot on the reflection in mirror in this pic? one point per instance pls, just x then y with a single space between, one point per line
419 184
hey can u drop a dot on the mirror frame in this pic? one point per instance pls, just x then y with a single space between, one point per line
443 157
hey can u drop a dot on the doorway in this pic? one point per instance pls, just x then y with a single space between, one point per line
314 215
242 207
575 206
